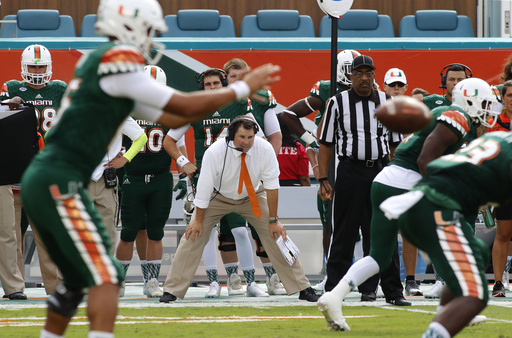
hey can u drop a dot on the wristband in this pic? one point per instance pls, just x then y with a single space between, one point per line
241 89
308 138
182 160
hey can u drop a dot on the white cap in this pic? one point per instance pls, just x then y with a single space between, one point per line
395 75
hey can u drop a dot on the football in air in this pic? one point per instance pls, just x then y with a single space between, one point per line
404 115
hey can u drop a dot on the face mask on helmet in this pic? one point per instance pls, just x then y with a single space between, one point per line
36 55
476 98
156 73
345 58
133 22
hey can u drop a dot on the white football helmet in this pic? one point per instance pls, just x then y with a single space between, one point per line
476 98
36 55
345 58
132 22
156 73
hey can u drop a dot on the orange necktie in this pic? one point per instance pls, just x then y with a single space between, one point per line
245 178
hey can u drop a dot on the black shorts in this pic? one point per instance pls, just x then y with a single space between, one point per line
504 212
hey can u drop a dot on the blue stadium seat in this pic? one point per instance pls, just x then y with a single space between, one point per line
277 23
39 23
87 27
435 23
360 23
199 23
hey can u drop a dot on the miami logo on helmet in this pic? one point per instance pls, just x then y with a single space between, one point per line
465 92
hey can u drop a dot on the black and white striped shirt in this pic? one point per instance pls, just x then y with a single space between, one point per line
351 125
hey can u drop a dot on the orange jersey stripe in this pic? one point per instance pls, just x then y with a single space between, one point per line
80 226
461 259
458 118
123 55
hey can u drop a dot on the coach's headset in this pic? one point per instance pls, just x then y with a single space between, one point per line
443 74
200 78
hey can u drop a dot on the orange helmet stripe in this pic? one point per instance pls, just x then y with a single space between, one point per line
37 52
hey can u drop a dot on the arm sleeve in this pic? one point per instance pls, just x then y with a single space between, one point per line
181 141
138 86
271 122
176 134
136 147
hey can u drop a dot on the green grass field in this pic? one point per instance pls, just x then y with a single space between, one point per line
151 319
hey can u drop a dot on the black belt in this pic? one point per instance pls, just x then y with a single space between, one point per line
366 163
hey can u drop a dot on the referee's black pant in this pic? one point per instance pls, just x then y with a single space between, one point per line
352 209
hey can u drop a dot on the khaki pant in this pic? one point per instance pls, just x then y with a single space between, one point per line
188 254
10 274
49 271
105 201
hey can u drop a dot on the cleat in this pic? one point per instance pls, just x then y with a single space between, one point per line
398 301
253 290
478 319
214 291
435 290
235 285
167 298
412 289
330 306
152 289
274 285
498 290
122 289
320 287
309 294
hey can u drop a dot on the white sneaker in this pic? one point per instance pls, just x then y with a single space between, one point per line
253 290
235 285
274 285
152 289
122 289
330 306
320 286
214 291
435 290
478 319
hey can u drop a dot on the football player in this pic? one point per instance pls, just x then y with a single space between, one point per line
45 94
108 85
449 129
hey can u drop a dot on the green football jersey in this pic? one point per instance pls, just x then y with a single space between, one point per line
209 129
433 101
474 176
260 108
322 90
407 153
152 158
86 110
46 100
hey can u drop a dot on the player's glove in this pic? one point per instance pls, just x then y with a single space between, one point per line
181 187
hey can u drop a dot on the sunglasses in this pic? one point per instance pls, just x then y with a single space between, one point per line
394 84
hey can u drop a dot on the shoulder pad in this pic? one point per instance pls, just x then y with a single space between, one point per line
121 59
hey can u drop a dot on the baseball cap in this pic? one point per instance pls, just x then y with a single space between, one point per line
362 60
395 75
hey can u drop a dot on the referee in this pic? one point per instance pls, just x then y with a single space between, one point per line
363 147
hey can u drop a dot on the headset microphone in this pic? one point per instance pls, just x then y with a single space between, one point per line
240 149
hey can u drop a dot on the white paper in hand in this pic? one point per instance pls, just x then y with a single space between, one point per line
288 249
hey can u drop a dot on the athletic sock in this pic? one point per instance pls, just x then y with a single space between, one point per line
409 277
145 271
125 265
436 330
100 334
269 269
231 268
249 276
154 269
213 275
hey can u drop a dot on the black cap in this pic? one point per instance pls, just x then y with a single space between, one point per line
362 60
